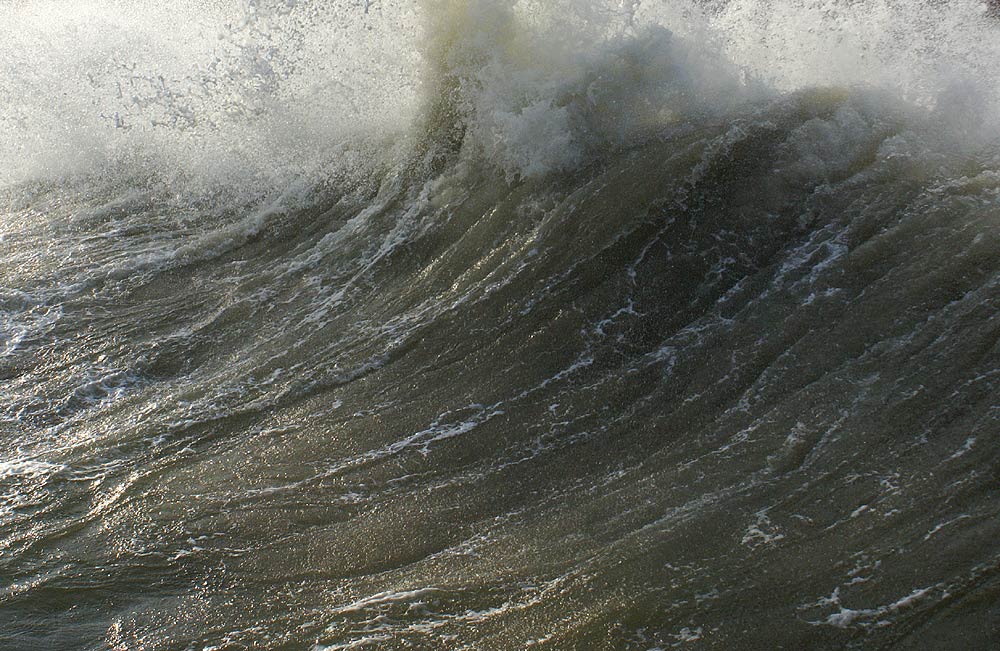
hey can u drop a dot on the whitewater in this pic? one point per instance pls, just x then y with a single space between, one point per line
472 325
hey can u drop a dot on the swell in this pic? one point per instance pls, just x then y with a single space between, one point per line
742 317
562 373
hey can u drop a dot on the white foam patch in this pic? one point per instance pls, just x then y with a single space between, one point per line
882 615
259 93
29 468
219 92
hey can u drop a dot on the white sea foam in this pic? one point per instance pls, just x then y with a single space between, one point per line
28 468
220 91
257 93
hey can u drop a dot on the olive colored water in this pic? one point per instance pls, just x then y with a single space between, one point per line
727 381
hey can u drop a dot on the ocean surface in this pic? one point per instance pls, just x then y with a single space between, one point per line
490 325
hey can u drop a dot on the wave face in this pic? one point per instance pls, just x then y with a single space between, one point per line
495 325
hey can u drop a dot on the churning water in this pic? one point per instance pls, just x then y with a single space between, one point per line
493 325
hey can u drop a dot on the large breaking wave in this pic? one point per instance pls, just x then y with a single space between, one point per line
498 325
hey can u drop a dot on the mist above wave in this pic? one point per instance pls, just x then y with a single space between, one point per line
246 93
251 97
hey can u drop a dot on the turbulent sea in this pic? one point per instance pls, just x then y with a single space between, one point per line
493 325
